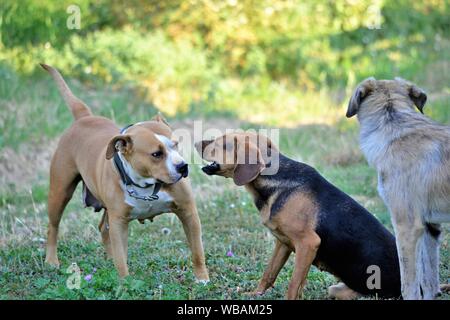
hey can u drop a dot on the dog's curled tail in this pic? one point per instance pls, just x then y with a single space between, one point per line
79 108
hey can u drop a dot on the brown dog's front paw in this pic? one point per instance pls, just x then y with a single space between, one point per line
52 261
201 275
202 281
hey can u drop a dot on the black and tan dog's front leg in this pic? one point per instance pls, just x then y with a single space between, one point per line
188 215
279 257
306 246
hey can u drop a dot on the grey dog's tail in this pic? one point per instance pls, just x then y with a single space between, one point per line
79 108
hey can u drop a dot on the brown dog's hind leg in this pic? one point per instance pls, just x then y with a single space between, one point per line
104 229
62 186
306 247
280 256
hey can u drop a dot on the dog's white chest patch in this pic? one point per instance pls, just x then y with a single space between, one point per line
143 209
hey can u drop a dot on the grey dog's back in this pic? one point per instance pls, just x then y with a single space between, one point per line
410 151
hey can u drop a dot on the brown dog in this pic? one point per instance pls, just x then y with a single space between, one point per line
308 216
133 174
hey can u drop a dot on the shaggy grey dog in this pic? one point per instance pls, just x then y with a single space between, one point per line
411 154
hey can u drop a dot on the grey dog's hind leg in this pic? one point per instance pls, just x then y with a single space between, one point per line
429 263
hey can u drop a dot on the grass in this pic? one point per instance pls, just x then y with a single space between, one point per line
159 263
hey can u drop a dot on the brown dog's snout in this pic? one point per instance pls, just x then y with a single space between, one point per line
183 169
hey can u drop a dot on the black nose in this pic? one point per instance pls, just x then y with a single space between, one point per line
183 169
211 168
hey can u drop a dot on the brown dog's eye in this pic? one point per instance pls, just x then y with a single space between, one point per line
157 154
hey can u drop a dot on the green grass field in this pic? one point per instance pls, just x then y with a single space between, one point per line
159 263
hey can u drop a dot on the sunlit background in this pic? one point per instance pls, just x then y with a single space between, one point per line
272 62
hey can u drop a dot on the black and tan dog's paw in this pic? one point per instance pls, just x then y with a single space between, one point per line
340 291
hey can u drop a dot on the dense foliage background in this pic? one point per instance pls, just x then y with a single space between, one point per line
215 54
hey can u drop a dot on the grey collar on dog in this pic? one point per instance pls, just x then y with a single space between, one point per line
129 183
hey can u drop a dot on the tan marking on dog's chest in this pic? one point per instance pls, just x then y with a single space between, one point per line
271 224
298 215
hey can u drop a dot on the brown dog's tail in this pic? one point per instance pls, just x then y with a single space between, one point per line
79 108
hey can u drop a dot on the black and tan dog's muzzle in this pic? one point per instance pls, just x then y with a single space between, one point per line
211 168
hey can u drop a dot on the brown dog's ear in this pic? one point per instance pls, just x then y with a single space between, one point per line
363 89
122 143
418 96
249 163
201 145
160 118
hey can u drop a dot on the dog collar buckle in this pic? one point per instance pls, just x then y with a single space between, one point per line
132 193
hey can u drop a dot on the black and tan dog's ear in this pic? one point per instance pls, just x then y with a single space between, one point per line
418 96
249 163
160 118
246 173
201 145
362 91
121 143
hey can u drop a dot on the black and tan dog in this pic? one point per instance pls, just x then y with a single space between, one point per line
308 216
